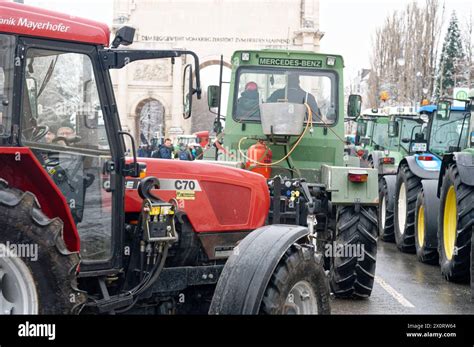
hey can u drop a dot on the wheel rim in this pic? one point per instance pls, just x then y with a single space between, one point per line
383 212
17 286
450 223
301 300
421 225
402 208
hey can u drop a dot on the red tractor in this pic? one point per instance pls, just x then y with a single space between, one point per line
85 234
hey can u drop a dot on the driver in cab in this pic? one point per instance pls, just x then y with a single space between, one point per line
295 94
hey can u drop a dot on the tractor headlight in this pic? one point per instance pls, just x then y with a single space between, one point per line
331 61
245 56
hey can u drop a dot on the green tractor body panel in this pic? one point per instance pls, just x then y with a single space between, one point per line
323 145
343 191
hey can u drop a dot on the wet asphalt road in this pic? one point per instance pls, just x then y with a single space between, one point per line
405 286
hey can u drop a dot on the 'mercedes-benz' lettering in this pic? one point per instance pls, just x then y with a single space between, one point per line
290 62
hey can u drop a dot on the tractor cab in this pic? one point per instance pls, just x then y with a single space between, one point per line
406 130
447 135
365 126
276 96
58 106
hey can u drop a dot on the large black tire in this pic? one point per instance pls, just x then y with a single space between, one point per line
54 271
298 264
405 215
386 211
456 219
424 216
353 276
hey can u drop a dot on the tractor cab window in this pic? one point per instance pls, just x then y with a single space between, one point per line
62 123
447 134
408 129
264 85
380 137
6 82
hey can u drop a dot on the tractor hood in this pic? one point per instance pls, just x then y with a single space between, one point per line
214 197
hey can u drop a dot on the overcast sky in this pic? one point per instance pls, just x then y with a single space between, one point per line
348 24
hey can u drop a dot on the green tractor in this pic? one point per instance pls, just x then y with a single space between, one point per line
285 120
455 190
421 171
417 204
364 132
392 142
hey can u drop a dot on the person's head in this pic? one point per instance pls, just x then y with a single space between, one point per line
65 132
293 80
251 87
50 136
168 142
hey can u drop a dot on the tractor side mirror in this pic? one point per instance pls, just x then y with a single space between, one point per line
188 91
443 111
124 37
32 88
354 105
392 128
213 96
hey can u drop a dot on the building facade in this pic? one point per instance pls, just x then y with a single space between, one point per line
149 93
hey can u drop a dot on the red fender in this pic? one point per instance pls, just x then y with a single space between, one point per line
20 168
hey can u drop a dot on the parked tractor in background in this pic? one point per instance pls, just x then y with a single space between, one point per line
416 204
442 138
391 142
456 193
108 241
364 131
285 120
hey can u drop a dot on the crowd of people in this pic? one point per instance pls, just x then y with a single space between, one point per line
166 150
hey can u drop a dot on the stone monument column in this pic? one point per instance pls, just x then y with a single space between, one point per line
177 120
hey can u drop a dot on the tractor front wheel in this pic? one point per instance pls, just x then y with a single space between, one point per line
455 226
298 285
406 192
42 278
355 250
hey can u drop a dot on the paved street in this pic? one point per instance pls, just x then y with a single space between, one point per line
406 286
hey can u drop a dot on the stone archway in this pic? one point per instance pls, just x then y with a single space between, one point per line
202 118
150 120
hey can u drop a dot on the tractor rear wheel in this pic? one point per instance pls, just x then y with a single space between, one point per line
353 273
298 285
43 281
386 213
455 226
406 192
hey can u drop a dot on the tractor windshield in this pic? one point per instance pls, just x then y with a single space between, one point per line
6 82
380 136
408 128
263 85
447 134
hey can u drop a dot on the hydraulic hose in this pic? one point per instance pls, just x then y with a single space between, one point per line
308 125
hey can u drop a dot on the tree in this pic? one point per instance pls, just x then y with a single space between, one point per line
466 33
452 64
404 55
